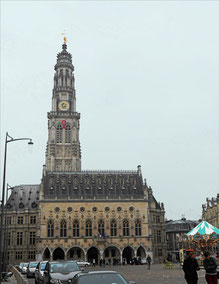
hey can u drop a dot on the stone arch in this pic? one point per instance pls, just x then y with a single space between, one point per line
112 255
76 253
46 253
140 252
58 254
93 253
128 254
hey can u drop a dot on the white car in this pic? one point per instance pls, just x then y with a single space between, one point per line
144 260
83 263
24 268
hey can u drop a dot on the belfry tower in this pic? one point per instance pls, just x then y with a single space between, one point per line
63 147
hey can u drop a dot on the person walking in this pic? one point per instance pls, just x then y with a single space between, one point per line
190 267
149 261
210 266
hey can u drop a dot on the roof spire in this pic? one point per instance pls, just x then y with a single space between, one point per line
64 46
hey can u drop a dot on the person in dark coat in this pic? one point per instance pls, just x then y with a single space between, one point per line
149 261
190 267
210 266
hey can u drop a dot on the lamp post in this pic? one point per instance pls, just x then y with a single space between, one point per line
8 139
6 239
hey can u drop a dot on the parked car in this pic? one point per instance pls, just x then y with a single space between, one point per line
83 263
21 266
144 260
24 268
100 277
60 270
31 269
39 272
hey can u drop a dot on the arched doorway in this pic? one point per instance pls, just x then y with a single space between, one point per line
58 254
128 254
112 255
46 254
141 252
93 253
76 253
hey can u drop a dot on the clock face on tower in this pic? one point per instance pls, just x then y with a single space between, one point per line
63 105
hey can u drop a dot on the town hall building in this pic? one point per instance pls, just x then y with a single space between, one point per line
74 214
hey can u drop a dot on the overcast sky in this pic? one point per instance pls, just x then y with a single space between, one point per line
146 84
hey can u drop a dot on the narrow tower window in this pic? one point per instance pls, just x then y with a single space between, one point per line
88 229
101 228
63 229
113 228
50 229
68 134
59 133
125 228
76 229
138 228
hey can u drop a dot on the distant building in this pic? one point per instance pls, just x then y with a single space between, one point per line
210 211
175 232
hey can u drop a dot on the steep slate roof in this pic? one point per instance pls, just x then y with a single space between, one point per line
24 197
93 185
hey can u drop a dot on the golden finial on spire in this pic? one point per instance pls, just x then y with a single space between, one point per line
65 38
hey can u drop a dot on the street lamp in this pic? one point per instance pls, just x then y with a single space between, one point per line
8 139
5 239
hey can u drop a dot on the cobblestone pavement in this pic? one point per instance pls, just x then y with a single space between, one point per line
156 275
141 275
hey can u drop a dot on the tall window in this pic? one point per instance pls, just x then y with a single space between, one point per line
63 229
125 228
76 229
138 228
32 238
32 219
50 229
67 133
88 229
101 228
59 133
20 220
18 255
31 255
19 238
113 228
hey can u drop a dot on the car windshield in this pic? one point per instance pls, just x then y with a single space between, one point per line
64 267
25 264
101 278
42 267
33 264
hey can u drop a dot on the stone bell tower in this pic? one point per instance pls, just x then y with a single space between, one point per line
63 147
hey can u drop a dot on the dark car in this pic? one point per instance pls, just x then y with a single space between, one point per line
100 277
31 269
39 272
60 271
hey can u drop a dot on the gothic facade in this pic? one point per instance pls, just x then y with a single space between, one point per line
110 215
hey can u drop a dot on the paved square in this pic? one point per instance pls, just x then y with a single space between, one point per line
156 275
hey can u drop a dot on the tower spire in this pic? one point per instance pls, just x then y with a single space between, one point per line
63 147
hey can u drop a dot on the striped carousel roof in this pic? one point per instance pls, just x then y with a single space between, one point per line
204 228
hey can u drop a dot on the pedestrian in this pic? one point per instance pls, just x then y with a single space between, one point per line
190 267
93 262
210 266
149 261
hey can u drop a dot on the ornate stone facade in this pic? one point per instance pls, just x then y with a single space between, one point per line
210 211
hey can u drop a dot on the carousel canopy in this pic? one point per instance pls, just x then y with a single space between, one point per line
204 228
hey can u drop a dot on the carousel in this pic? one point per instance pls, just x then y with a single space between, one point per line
204 235
201 238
